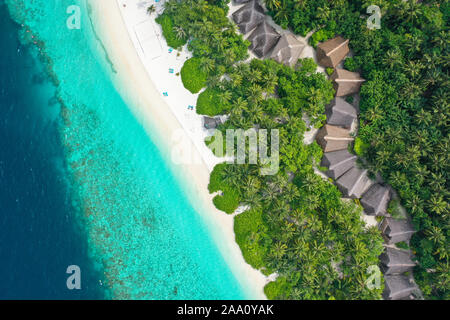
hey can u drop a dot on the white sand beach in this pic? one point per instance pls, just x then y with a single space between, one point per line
140 56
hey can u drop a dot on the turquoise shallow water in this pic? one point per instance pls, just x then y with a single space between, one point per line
141 228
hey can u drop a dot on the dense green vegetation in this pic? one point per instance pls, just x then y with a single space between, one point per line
276 289
298 226
173 38
248 226
212 36
404 108
193 76
211 103
228 200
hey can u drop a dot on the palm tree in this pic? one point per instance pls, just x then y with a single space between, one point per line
255 114
299 4
441 40
207 65
435 234
213 81
424 117
323 13
440 98
243 69
437 204
433 77
414 203
151 9
251 185
414 44
437 180
179 32
273 4
374 114
269 195
410 91
283 14
319 249
201 5
397 179
392 58
443 271
412 11
231 176
413 68
240 105
254 75
253 200
420 172
236 80
383 156
255 93
279 250
170 6
291 192
225 97
270 82
281 208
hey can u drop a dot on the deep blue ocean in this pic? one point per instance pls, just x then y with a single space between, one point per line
82 182
39 232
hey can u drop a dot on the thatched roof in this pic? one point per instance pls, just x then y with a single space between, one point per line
330 53
396 261
249 16
375 200
287 50
211 123
263 39
338 162
353 183
340 113
346 82
332 138
396 230
397 287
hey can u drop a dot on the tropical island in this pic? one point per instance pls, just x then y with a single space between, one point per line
297 225
225 149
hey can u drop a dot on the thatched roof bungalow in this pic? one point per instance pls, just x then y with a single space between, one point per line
263 39
398 287
340 113
249 16
394 230
354 182
211 123
396 261
330 53
288 50
346 82
376 199
338 162
332 138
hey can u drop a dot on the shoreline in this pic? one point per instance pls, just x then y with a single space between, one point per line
166 120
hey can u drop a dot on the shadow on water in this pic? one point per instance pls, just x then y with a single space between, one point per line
39 231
